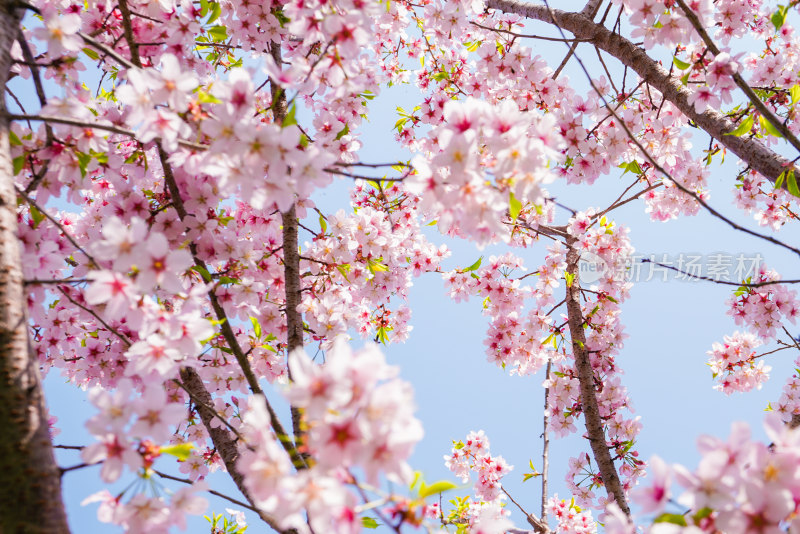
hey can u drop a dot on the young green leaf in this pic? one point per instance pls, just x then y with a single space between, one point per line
744 127
436 487
181 451
514 206
369 522
769 127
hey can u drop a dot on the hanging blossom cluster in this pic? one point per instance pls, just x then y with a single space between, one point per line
475 142
571 518
486 513
514 339
358 415
740 485
735 364
762 309
499 68
365 259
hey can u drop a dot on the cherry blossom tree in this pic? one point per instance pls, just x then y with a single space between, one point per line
163 251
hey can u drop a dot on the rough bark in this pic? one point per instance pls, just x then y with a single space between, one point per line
583 368
224 441
750 150
30 480
291 260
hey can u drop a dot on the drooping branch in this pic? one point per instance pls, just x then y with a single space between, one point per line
583 367
30 479
751 151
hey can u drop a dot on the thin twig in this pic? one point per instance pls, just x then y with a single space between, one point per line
211 491
721 282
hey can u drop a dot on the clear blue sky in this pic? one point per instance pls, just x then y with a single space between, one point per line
671 326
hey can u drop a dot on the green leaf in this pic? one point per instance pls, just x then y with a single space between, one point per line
383 337
216 11
569 277
18 163
203 8
779 17
203 272
779 181
745 127
794 92
180 451
256 327
91 53
344 131
417 478
702 513
83 162
291 117
439 76
791 183
375 266
207 98
218 33
675 519
474 266
323 225
369 522
37 216
769 127
436 487
13 139
471 47
682 65
514 206
343 270
632 166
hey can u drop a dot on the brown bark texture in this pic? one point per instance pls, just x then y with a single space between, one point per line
30 479
750 150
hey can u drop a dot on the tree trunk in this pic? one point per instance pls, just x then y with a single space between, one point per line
30 480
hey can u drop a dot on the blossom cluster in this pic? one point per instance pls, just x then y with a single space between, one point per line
734 363
472 455
358 416
740 485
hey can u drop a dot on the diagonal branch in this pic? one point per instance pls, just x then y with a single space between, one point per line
583 368
740 82
222 439
751 151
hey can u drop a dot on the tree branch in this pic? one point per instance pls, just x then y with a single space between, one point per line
30 479
223 442
583 368
740 82
751 151
291 261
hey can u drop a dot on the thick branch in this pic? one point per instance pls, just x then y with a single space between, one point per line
225 326
222 439
291 258
30 480
583 368
740 82
751 151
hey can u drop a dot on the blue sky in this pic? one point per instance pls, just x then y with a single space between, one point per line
671 326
